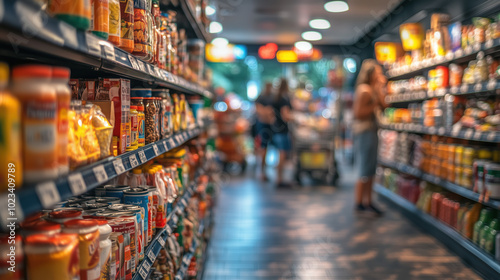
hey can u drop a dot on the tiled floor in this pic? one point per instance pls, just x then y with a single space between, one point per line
312 233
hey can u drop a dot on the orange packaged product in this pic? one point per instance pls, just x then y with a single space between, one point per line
52 257
33 87
141 30
88 237
127 25
60 78
74 12
100 18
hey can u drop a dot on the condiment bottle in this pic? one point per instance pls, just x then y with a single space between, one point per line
32 85
60 78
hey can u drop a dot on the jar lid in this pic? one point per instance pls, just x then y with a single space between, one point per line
32 71
136 98
133 108
136 191
65 213
40 225
60 72
89 224
60 239
137 171
140 108
140 92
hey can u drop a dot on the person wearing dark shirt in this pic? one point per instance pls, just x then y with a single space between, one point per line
265 117
281 138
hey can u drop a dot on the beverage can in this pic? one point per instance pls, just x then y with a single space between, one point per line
140 198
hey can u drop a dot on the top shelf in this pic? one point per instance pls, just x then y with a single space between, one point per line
26 31
194 26
459 56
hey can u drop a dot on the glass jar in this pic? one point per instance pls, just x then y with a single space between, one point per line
141 29
166 111
158 116
150 128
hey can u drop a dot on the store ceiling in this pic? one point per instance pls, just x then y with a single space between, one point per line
282 21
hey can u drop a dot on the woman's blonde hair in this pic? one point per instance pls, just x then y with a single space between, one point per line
366 72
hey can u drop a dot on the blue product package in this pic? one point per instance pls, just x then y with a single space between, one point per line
139 198
455 31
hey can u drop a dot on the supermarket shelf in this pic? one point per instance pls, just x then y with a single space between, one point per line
466 134
489 87
28 32
153 250
186 261
32 198
482 262
454 188
459 56
197 27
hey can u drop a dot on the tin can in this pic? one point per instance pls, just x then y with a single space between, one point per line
12 255
117 240
104 250
100 191
127 227
153 201
113 262
116 191
140 197
118 207
91 206
108 200
40 227
62 215
52 256
492 180
88 236
139 213
137 248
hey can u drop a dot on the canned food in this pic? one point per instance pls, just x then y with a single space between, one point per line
117 207
139 213
116 191
108 200
88 236
140 198
40 227
153 201
104 250
467 177
113 260
61 215
468 156
91 206
127 229
492 180
100 191
120 261
52 256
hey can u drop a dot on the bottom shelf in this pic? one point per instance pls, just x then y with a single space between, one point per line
468 251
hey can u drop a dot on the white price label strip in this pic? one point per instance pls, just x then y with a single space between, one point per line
172 142
489 44
151 256
491 136
143 273
468 133
100 173
477 135
162 242
165 145
48 194
169 230
133 62
147 266
118 165
155 149
109 51
77 184
133 161
142 66
478 87
142 157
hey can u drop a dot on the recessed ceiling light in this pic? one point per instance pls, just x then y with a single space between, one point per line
209 10
220 42
319 23
215 27
336 6
312 36
303 46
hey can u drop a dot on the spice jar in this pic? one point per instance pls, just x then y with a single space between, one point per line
159 112
134 139
138 102
151 131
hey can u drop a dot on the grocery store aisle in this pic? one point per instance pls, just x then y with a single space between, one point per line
312 233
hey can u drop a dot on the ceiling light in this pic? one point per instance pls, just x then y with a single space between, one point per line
336 6
312 36
220 42
209 10
215 27
303 46
319 23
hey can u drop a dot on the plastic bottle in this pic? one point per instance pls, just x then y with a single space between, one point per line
10 146
484 219
137 178
32 85
60 78
114 22
100 18
74 12
127 25
489 244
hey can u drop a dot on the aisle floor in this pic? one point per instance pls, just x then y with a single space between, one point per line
312 233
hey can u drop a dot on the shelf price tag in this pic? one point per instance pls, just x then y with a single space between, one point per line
169 230
477 135
454 90
147 266
48 194
133 161
464 88
459 53
477 47
172 142
162 242
69 35
143 273
93 45
491 136
151 70
165 145
478 87
492 84
142 157
118 165
77 184
155 149
100 173
152 256
133 62
468 50
468 133
109 51
142 66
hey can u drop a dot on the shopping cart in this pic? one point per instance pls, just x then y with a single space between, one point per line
313 151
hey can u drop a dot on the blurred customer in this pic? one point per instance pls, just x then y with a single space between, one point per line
368 102
281 138
265 118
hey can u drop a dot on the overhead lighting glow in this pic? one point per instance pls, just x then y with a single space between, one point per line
215 27
319 23
303 46
220 42
252 90
336 6
312 36
209 10
350 65
286 56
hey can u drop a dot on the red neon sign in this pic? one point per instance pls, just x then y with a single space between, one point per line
268 51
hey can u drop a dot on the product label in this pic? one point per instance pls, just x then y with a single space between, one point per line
114 19
127 19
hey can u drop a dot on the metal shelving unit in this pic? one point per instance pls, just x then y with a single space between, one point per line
28 32
452 187
468 251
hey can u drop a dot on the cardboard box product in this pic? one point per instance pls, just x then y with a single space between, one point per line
118 91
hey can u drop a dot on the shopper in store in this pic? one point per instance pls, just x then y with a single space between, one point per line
265 118
281 138
368 102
